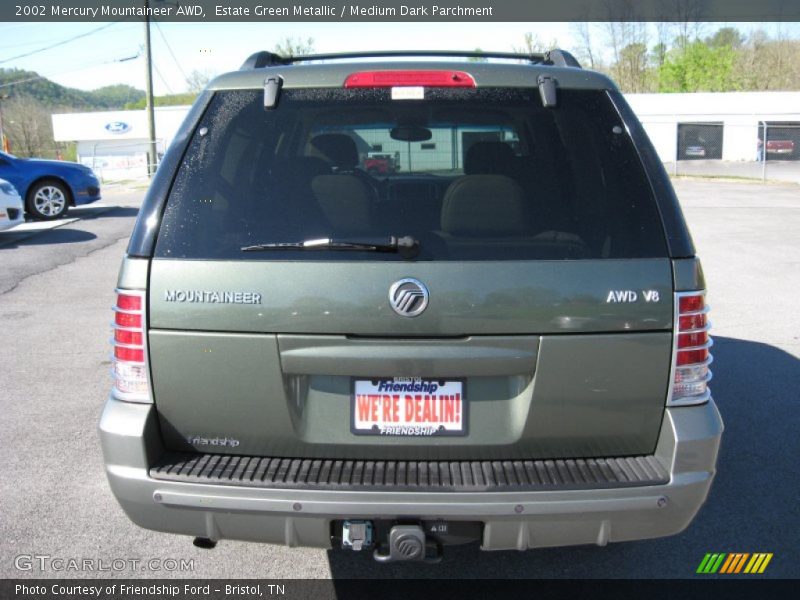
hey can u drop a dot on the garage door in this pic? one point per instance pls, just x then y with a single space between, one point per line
699 141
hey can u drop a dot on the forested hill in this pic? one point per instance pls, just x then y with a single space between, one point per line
52 95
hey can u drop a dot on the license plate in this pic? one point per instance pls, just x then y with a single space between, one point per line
408 406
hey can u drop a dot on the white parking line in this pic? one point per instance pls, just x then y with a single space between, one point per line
36 226
31 228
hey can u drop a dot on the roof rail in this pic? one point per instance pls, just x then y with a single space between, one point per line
262 59
561 58
556 57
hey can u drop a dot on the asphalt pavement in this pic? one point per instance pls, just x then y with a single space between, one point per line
56 292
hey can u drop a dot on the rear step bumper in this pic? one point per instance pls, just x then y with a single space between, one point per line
516 513
403 475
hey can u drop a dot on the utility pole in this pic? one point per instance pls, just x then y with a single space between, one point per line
2 134
152 153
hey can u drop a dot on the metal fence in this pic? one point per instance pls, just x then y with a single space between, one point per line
743 148
120 161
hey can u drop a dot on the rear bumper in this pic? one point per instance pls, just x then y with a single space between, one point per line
687 447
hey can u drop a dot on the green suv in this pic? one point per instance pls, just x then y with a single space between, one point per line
504 338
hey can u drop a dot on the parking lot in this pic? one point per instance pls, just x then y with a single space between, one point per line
56 292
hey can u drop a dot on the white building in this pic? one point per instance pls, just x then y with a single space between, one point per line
730 123
114 143
721 126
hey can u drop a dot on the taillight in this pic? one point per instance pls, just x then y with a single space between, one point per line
130 353
691 357
407 78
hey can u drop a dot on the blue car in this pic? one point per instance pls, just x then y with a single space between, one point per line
49 187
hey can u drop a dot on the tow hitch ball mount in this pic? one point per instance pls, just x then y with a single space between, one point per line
404 542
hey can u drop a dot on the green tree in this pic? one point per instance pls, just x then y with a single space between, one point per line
115 95
699 68
17 82
67 151
477 58
290 46
630 71
169 100
727 37
198 80
531 44
28 127
658 55
585 49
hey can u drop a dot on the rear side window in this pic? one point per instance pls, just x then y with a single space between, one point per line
472 174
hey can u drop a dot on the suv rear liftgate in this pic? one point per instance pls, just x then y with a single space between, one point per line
504 338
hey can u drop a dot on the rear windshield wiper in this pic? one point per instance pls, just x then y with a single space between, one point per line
406 245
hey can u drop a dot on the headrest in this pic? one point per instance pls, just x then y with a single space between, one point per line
338 148
484 205
489 158
344 200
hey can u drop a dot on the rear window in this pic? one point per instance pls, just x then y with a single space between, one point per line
472 174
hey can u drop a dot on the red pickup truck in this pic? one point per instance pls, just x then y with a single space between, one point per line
779 147
380 163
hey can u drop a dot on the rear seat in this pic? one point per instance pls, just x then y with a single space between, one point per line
346 197
484 206
489 205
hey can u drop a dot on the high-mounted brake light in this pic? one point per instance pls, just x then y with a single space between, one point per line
405 78
130 365
690 354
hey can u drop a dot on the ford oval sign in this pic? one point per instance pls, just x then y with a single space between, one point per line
117 127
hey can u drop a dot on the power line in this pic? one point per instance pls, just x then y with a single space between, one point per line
84 67
61 43
161 77
33 42
166 43
22 44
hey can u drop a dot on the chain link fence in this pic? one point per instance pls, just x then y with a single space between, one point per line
121 161
745 148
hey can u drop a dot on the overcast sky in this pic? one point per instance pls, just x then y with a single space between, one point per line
180 48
